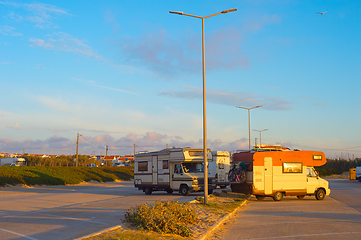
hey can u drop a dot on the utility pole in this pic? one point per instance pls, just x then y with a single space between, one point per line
255 141
106 153
134 150
77 148
167 146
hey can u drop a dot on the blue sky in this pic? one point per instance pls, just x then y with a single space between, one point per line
129 72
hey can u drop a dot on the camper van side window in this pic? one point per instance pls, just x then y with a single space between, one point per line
292 167
165 164
143 166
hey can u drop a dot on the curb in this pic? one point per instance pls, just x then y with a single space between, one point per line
216 225
100 232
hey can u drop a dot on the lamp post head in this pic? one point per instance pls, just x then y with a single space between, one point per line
176 12
229 10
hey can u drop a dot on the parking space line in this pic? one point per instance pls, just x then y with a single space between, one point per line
21 235
305 235
346 206
70 218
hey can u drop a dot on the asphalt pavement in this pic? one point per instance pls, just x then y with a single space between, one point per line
69 212
338 216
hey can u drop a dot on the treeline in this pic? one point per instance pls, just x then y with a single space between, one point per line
337 166
62 160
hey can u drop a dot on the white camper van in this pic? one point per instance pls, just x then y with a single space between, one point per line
174 169
219 167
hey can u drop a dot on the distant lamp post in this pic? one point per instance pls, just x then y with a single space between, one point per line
204 97
249 123
260 139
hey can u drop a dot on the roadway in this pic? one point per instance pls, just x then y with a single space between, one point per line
338 216
69 212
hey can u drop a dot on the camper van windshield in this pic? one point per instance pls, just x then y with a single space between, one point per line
192 167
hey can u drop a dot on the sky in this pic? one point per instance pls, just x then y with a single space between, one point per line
127 72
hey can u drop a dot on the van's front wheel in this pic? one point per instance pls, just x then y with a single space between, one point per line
278 196
148 191
320 194
184 190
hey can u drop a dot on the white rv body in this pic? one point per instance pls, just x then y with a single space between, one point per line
220 167
174 169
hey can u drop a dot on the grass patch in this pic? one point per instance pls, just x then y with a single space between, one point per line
42 175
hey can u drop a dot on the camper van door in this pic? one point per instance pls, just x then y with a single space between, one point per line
268 175
155 169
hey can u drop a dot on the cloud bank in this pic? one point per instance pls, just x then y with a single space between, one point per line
151 141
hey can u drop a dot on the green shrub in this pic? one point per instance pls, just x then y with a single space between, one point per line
169 217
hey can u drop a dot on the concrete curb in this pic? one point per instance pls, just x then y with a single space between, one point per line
100 232
216 225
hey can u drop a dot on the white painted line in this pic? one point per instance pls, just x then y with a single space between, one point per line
100 232
21 235
305 235
70 218
346 206
298 222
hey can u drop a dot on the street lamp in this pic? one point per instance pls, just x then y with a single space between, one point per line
260 141
204 97
249 123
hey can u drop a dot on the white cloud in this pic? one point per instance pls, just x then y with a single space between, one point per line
6 30
230 98
39 13
93 83
65 42
320 104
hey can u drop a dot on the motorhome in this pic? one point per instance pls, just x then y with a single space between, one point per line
219 167
174 169
279 173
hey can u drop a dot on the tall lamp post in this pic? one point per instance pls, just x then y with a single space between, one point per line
249 123
260 141
204 97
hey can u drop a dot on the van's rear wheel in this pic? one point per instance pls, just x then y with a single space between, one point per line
320 194
301 196
148 191
184 190
260 197
278 196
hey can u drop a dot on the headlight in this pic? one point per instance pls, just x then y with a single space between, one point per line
195 182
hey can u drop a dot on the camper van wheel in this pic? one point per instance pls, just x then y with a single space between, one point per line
184 190
301 196
320 194
169 191
278 196
148 191
259 197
